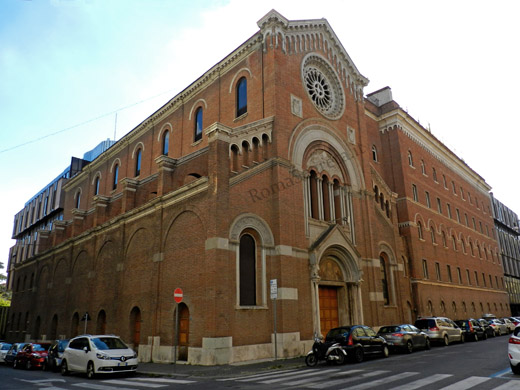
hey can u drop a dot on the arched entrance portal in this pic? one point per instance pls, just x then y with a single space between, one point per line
338 292
184 331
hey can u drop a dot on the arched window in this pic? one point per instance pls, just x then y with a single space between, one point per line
384 280
410 159
374 153
423 167
434 174
78 199
198 125
166 143
419 230
444 242
454 241
116 176
96 186
241 96
138 157
326 198
314 195
247 271
432 233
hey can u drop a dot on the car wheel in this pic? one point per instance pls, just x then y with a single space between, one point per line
476 337
28 365
91 373
515 369
386 351
484 336
64 368
409 347
462 338
358 355
446 340
427 344
311 360
45 365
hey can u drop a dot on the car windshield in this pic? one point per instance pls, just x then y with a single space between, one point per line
389 329
6 346
104 343
62 344
423 324
337 332
38 348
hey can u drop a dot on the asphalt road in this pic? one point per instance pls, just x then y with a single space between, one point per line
481 365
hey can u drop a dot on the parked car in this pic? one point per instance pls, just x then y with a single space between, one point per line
514 320
358 341
499 327
4 347
513 351
440 329
55 354
98 354
487 328
31 355
472 329
405 337
13 351
510 324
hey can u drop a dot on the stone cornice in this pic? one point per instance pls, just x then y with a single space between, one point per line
401 121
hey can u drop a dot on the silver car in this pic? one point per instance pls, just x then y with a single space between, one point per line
499 327
440 329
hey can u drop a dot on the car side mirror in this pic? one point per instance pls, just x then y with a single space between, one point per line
85 349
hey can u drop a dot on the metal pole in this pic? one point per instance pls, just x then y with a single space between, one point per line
275 341
176 334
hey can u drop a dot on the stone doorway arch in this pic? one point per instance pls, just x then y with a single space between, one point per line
337 292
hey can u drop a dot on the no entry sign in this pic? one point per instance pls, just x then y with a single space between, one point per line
177 295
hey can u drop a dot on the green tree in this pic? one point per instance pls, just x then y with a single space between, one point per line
5 296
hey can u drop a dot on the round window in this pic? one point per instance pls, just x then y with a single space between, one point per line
323 86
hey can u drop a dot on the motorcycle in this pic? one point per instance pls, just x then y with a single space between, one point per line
328 351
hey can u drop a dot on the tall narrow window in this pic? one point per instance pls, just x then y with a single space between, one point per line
428 202
410 159
116 174
438 271
374 153
448 270
166 143
384 280
423 167
247 271
138 162
414 193
439 205
198 124
459 276
419 230
434 174
78 199
96 186
425 268
241 96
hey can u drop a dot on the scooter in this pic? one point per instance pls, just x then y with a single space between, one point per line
329 351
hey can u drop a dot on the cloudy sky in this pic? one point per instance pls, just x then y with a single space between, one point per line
68 66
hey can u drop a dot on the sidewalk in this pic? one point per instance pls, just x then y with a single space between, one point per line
237 369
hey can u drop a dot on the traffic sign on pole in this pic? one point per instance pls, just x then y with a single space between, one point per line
178 295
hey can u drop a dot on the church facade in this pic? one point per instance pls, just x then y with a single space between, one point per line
273 165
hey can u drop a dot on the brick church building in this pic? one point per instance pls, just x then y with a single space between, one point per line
271 165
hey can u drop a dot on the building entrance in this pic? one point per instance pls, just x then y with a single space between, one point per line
329 316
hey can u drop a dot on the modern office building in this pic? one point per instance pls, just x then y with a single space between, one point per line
507 228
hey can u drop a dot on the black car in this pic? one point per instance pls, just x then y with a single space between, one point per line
472 329
55 354
358 341
405 337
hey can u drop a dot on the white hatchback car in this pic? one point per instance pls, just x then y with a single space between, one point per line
513 351
98 354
